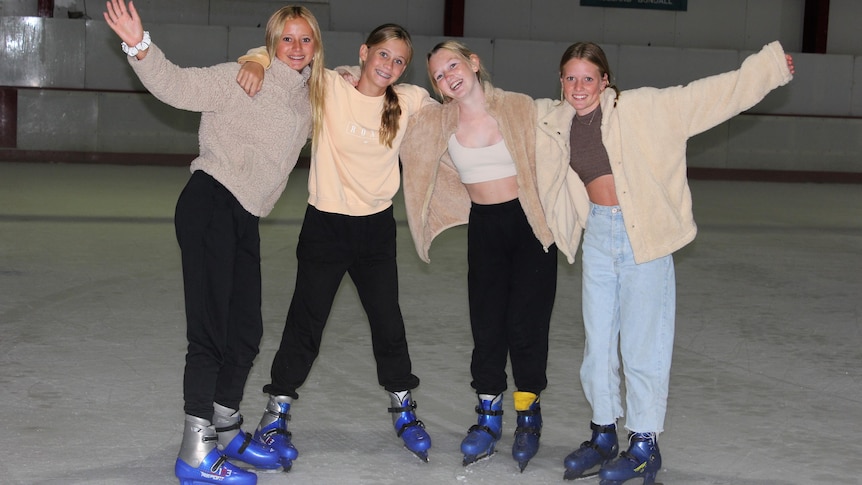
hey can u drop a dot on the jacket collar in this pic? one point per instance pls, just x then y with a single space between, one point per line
293 77
609 101
558 118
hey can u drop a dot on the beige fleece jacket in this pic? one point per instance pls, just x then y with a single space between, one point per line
250 145
434 196
645 133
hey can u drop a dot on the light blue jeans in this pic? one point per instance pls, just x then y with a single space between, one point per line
628 310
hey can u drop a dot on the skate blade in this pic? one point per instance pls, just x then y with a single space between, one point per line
585 476
422 455
653 483
469 460
597 473
522 465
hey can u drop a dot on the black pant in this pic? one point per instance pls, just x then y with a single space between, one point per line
331 245
512 283
220 244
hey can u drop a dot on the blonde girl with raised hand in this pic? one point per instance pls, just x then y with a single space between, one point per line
249 146
349 226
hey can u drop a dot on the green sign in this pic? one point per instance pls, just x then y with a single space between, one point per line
681 5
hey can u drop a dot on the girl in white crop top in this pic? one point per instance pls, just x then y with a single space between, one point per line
488 135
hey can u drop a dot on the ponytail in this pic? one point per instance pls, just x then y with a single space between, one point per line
391 107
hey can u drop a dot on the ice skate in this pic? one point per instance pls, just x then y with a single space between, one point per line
529 428
482 437
407 426
237 444
642 459
200 462
272 430
602 448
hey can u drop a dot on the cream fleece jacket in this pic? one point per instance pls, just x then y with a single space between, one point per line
250 145
434 196
645 132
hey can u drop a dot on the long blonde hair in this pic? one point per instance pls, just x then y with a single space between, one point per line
461 50
391 108
274 29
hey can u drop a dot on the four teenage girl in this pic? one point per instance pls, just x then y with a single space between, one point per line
608 163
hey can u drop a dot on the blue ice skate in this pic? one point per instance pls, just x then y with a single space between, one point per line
602 448
642 459
272 430
238 445
529 428
482 437
201 463
408 428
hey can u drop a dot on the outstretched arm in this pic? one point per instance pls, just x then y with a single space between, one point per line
126 23
708 101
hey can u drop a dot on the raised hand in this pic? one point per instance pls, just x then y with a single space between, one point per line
125 22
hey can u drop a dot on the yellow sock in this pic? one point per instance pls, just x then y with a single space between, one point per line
523 400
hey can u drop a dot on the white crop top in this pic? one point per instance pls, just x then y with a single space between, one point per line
481 164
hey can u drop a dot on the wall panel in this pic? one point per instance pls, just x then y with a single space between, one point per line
93 101
57 120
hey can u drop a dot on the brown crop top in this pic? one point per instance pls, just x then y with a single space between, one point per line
589 159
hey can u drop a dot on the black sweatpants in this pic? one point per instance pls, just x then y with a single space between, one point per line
331 245
220 244
512 283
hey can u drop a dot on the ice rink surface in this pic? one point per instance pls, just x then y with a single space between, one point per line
766 386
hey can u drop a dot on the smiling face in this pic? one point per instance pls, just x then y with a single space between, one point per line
296 46
454 75
582 83
382 65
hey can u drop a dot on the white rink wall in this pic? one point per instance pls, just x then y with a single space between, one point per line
75 92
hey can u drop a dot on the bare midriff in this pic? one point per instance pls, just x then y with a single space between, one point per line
603 191
493 191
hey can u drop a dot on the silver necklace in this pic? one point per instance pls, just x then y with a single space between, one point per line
592 117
